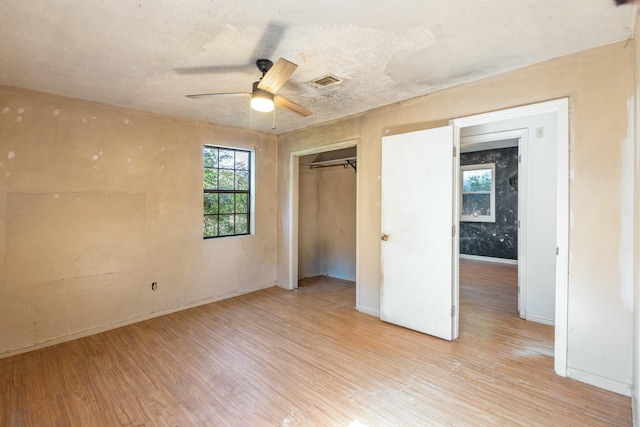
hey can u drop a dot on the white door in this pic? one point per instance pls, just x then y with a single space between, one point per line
417 289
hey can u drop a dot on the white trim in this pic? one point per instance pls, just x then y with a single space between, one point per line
523 185
513 113
294 166
489 259
132 320
369 311
601 382
491 140
538 319
562 221
561 108
455 247
327 147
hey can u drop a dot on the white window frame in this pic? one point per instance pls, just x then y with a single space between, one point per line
492 193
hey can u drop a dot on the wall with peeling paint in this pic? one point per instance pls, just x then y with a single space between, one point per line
98 202
599 83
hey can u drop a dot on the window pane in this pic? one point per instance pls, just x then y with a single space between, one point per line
210 203
241 203
242 180
210 157
242 160
226 180
476 204
227 197
226 159
226 203
241 224
476 180
211 179
226 225
210 226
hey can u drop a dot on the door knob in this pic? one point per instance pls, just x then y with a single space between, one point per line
384 237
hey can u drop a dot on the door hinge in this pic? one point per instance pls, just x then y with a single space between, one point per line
520 158
519 224
518 290
557 250
453 230
454 151
453 310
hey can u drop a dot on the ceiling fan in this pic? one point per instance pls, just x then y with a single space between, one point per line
263 94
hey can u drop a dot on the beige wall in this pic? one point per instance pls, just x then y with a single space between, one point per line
98 202
326 221
599 83
338 210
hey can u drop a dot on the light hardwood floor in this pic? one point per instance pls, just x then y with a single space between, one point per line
307 358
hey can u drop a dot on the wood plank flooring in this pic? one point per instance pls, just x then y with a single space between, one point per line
307 358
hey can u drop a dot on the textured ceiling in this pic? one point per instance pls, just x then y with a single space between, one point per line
148 54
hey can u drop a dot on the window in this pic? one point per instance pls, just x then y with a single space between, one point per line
478 193
227 192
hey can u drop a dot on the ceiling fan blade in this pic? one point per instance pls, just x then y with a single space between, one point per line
270 39
277 75
289 105
218 95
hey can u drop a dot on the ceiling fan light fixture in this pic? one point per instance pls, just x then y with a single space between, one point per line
262 101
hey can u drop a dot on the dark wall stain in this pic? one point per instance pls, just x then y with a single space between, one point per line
499 239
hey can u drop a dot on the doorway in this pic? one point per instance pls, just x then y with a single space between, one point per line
556 205
294 207
489 227
396 296
327 215
533 230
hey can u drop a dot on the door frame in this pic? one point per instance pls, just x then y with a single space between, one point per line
294 176
522 135
560 107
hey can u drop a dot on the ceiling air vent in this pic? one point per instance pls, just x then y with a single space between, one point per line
325 81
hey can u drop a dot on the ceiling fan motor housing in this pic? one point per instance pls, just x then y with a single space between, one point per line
261 100
264 65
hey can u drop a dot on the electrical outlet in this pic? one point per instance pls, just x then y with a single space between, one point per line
154 286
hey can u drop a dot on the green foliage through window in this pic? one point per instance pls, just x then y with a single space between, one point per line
227 191
476 180
478 193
